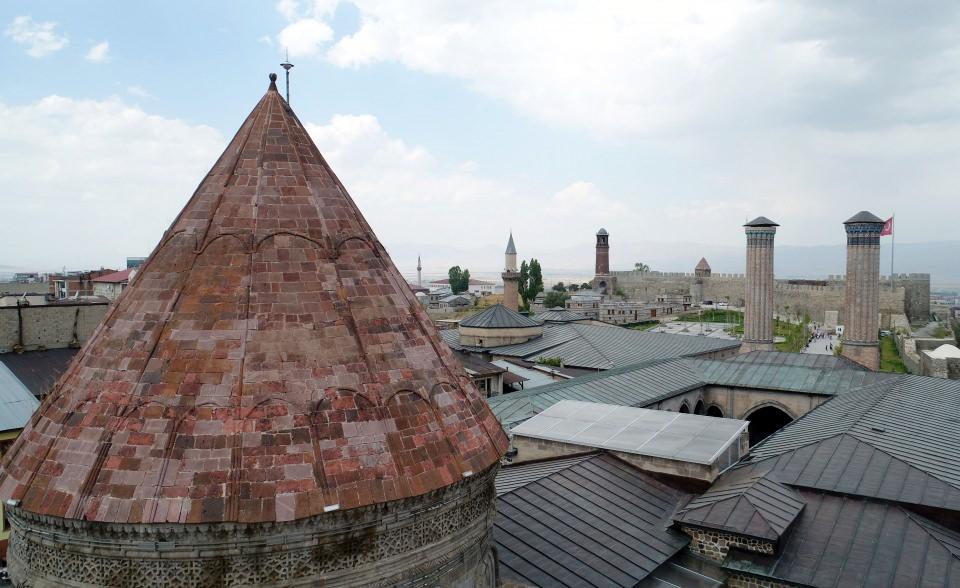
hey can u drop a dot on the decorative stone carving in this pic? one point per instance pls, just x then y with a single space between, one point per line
441 538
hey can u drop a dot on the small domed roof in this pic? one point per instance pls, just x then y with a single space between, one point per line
864 217
602 232
761 221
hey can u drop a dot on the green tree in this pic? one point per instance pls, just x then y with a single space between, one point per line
455 274
573 287
559 287
465 280
641 267
523 283
555 298
586 286
536 280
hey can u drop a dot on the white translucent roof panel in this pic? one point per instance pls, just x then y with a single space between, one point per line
670 435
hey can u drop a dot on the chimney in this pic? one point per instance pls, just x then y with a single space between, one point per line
758 314
861 304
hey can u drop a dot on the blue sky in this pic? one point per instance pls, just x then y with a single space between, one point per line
668 125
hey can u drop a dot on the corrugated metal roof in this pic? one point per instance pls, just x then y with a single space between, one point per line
599 522
499 316
837 541
825 380
635 385
511 477
864 217
16 402
560 315
814 360
39 370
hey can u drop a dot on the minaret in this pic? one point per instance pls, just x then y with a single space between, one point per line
419 275
861 308
511 277
758 315
602 280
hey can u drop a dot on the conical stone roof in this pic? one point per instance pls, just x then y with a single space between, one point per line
702 264
267 363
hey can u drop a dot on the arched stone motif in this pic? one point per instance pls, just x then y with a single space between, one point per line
714 410
316 243
684 407
699 409
243 237
767 419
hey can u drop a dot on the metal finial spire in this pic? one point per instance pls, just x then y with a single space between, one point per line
287 66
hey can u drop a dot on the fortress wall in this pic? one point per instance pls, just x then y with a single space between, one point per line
814 300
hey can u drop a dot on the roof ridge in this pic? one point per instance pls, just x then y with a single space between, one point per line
929 526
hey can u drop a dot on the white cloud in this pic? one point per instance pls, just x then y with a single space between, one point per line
105 179
40 38
139 91
305 37
99 53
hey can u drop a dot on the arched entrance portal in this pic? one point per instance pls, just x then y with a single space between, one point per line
699 408
714 411
684 408
766 421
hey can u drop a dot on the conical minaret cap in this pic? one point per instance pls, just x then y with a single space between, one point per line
267 363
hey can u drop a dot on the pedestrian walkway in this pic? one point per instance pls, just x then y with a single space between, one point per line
822 345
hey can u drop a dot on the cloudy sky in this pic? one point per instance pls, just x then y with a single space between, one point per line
453 122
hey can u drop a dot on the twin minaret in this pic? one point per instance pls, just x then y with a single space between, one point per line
861 311
511 277
758 301
861 304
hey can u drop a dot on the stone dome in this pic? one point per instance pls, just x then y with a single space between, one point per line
267 383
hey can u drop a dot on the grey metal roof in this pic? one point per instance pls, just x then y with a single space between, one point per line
511 477
477 365
747 504
792 378
599 522
511 248
17 403
39 370
634 385
864 217
498 316
815 360
560 315
602 231
761 221
837 541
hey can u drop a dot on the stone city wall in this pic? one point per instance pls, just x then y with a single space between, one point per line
715 544
911 294
746 581
51 326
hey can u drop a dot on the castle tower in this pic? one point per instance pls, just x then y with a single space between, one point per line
861 308
602 279
701 271
511 277
758 314
265 404
419 274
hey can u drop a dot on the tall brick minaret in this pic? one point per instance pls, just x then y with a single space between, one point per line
861 308
602 280
511 277
758 315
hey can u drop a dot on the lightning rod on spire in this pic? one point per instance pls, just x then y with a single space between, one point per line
287 66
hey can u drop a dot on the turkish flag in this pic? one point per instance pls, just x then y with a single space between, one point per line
887 227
